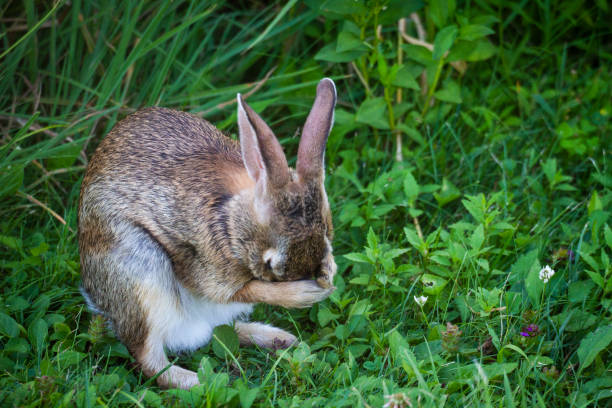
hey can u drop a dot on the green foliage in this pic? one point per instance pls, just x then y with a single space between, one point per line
459 166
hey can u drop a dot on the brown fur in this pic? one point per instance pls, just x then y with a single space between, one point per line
169 199
296 294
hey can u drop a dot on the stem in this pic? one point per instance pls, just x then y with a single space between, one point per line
361 78
398 93
417 226
424 316
390 107
422 36
433 87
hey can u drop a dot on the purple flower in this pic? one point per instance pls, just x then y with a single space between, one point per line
531 330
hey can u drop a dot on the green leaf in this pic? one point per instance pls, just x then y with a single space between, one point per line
363 279
417 53
413 238
474 32
325 316
40 249
68 358
405 79
477 238
372 112
496 370
471 51
608 235
357 257
246 395
412 133
444 41
348 41
10 242
65 155
594 203
593 344
494 337
411 188
396 343
8 326
549 167
395 252
448 192
578 291
37 332
475 206
574 320
450 93
225 335
17 345
106 382
329 53
432 284
520 269
414 213
440 10
597 278
342 332
533 284
372 239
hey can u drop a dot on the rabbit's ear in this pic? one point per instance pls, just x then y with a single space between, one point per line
316 130
262 154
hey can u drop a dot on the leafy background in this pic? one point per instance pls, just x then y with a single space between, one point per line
470 149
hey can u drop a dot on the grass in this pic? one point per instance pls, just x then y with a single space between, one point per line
504 171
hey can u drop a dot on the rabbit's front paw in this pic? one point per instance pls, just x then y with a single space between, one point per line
328 271
306 293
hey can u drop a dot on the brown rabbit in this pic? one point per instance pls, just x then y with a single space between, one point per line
182 229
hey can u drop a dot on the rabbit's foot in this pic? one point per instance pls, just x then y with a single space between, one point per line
178 377
153 360
264 336
305 293
298 294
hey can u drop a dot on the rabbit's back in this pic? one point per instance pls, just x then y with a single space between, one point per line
168 173
157 143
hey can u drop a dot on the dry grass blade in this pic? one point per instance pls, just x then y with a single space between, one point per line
256 86
44 207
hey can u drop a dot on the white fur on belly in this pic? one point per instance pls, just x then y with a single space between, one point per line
194 325
186 324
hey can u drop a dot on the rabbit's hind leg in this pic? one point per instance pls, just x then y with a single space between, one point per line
264 336
130 282
152 358
146 262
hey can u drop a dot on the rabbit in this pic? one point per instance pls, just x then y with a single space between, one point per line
182 229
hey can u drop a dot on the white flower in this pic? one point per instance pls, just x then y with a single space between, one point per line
399 400
546 273
420 300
